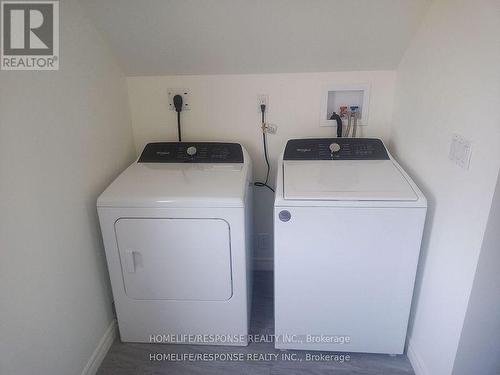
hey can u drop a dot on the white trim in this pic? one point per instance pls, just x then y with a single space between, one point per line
101 350
416 360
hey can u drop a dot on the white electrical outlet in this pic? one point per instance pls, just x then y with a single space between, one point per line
460 151
263 99
186 99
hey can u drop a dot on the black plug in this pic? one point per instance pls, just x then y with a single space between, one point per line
263 110
178 109
178 103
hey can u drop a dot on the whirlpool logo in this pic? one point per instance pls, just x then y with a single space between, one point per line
29 35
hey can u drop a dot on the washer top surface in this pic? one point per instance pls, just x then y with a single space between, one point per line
353 180
186 182
346 171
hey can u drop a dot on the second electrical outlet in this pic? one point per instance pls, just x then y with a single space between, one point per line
263 99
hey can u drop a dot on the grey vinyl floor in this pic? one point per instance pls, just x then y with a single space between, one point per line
128 359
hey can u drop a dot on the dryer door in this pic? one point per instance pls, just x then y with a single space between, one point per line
175 259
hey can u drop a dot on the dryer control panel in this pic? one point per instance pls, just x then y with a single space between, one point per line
335 149
192 152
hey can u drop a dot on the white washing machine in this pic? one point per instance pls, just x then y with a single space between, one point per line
348 224
176 226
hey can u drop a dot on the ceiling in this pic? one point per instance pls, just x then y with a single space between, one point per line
164 37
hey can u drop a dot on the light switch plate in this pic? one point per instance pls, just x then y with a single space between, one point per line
460 151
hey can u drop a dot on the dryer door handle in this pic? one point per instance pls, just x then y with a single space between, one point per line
130 261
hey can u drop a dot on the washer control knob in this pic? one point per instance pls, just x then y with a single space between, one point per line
191 151
334 147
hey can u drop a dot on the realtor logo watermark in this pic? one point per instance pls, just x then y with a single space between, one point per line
29 35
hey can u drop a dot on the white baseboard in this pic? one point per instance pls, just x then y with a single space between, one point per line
263 264
416 360
101 350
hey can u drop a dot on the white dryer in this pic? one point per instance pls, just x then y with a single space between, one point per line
176 227
348 224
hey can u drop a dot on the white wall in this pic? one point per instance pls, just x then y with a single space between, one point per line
448 82
258 36
63 136
479 351
224 108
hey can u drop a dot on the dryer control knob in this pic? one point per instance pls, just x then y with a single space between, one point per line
191 151
334 147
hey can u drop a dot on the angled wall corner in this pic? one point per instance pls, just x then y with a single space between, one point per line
478 350
64 136
447 81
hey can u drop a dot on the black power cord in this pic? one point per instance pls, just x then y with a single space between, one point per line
264 142
178 109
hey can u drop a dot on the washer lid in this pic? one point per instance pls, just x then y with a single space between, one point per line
178 185
346 180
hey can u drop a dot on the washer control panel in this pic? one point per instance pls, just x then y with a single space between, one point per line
335 149
192 152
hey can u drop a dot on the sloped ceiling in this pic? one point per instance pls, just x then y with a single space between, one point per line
162 37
